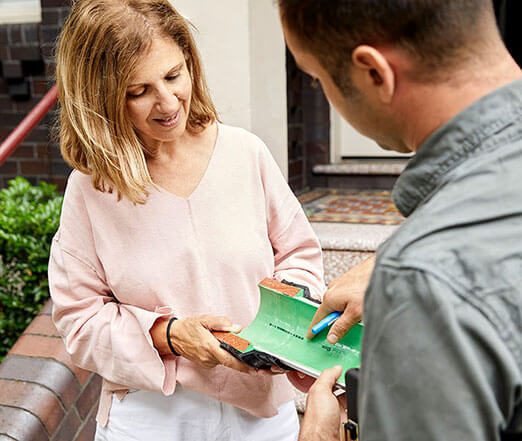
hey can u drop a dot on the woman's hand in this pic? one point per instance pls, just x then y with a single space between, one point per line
300 381
192 339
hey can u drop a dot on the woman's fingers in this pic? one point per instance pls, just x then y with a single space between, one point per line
192 338
228 360
219 323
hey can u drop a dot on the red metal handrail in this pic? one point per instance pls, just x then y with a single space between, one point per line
16 137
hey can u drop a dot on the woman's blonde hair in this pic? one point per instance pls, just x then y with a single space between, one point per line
98 50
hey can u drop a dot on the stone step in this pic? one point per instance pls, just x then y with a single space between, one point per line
375 166
374 173
351 237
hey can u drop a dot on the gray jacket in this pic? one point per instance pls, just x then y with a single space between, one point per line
442 356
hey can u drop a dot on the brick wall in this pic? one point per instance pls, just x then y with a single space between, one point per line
43 396
308 128
26 74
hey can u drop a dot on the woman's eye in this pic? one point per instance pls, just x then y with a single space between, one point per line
172 77
136 93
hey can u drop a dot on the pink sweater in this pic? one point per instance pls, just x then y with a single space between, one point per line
116 267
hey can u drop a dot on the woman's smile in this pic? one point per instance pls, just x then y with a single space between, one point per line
169 121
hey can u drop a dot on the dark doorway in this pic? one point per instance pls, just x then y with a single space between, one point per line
509 13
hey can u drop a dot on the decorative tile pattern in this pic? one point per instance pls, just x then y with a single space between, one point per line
310 196
353 206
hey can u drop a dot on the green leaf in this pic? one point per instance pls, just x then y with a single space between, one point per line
29 218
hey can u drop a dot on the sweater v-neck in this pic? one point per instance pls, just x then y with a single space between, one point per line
204 176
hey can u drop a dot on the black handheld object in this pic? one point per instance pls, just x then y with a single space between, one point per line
256 359
352 387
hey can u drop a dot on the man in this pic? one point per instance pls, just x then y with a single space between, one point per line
442 352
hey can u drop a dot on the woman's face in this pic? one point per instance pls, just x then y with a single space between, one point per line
159 93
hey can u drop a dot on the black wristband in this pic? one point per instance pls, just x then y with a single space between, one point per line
169 342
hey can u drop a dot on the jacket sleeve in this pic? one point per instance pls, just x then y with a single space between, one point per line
297 252
101 334
433 368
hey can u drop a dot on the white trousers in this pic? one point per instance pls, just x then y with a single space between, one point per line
190 416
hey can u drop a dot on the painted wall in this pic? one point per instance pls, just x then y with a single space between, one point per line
243 52
20 11
348 143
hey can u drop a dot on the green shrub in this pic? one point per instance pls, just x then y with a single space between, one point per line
29 217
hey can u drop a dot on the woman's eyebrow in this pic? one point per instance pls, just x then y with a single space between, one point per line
175 68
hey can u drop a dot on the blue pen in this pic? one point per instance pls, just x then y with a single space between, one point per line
327 321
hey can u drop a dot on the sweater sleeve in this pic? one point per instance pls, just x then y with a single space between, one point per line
101 334
297 252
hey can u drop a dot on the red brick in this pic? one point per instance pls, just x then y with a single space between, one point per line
69 427
36 399
38 167
23 151
21 425
24 107
5 53
47 347
89 397
27 52
47 308
6 104
88 430
4 132
296 183
11 119
15 33
43 151
45 372
64 13
50 16
9 168
30 32
38 134
60 182
60 168
295 168
42 325
317 149
51 3
49 33
40 87
3 35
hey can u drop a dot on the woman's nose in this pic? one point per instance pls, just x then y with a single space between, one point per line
166 100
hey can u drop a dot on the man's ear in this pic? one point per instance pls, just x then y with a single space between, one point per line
377 71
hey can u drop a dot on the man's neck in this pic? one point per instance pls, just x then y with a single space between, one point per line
426 107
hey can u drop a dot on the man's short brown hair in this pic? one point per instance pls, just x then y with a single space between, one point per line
436 33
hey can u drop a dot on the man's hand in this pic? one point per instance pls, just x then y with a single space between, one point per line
345 294
322 417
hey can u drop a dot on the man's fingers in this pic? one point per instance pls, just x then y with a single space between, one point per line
320 314
328 378
343 324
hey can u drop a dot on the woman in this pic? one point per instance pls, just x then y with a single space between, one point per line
170 220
